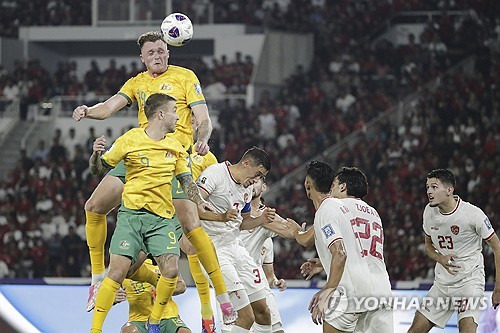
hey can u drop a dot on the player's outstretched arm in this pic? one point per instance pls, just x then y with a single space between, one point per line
203 128
193 193
305 238
284 228
494 243
447 261
100 110
96 165
250 222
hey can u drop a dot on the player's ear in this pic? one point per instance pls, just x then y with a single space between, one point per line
343 187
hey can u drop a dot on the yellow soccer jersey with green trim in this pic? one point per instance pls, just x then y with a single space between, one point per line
178 82
200 163
140 299
150 167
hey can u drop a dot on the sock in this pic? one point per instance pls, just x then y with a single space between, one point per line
98 277
237 329
104 301
95 230
164 291
144 274
259 328
206 254
201 286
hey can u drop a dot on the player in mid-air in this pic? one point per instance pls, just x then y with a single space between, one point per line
259 244
183 85
348 274
140 297
454 233
227 186
145 221
351 186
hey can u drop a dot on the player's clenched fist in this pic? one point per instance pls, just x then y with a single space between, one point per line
99 144
269 214
230 215
80 112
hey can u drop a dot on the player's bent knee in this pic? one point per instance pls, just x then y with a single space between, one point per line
183 330
186 246
261 312
467 325
180 288
168 265
246 317
129 328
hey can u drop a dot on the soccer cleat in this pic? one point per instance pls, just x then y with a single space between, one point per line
93 289
153 328
207 325
229 314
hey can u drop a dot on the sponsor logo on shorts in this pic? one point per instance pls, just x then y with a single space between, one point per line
124 245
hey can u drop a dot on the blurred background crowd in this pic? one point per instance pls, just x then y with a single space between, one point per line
454 125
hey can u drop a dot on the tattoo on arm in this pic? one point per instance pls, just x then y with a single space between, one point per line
204 130
96 165
190 188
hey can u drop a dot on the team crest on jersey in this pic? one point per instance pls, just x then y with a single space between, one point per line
328 230
166 87
197 88
455 229
487 223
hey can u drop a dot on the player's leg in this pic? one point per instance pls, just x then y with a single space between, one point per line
125 246
276 324
420 324
432 312
341 322
140 272
467 325
187 213
262 315
160 240
129 327
469 311
201 283
327 328
174 325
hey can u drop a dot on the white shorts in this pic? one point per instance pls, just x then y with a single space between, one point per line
441 301
239 270
376 321
344 322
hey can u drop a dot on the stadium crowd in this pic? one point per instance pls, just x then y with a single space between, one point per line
350 84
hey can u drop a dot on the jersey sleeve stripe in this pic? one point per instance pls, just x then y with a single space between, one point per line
106 164
489 237
129 100
182 174
267 263
333 241
197 103
204 189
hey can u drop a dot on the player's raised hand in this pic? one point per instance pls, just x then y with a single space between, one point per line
230 215
293 226
99 144
450 264
204 206
269 214
280 284
80 112
310 268
495 298
202 148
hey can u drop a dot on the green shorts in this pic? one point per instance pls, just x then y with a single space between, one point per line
177 193
170 325
140 230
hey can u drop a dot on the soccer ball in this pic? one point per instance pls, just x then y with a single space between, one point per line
177 29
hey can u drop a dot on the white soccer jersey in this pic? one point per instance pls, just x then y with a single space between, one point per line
369 230
254 240
332 223
224 193
268 252
460 232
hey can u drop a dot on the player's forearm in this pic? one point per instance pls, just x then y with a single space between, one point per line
270 276
278 227
211 216
99 111
95 164
190 188
204 130
305 239
250 222
432 253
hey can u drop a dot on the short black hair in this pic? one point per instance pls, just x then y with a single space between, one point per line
258 156
444 175
355 181
154 102
321 174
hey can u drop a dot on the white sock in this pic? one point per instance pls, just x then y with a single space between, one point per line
259 328
237 329
98 277
222 298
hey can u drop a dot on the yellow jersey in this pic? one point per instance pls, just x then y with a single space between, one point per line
151 165
200 163
178 82
140 299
